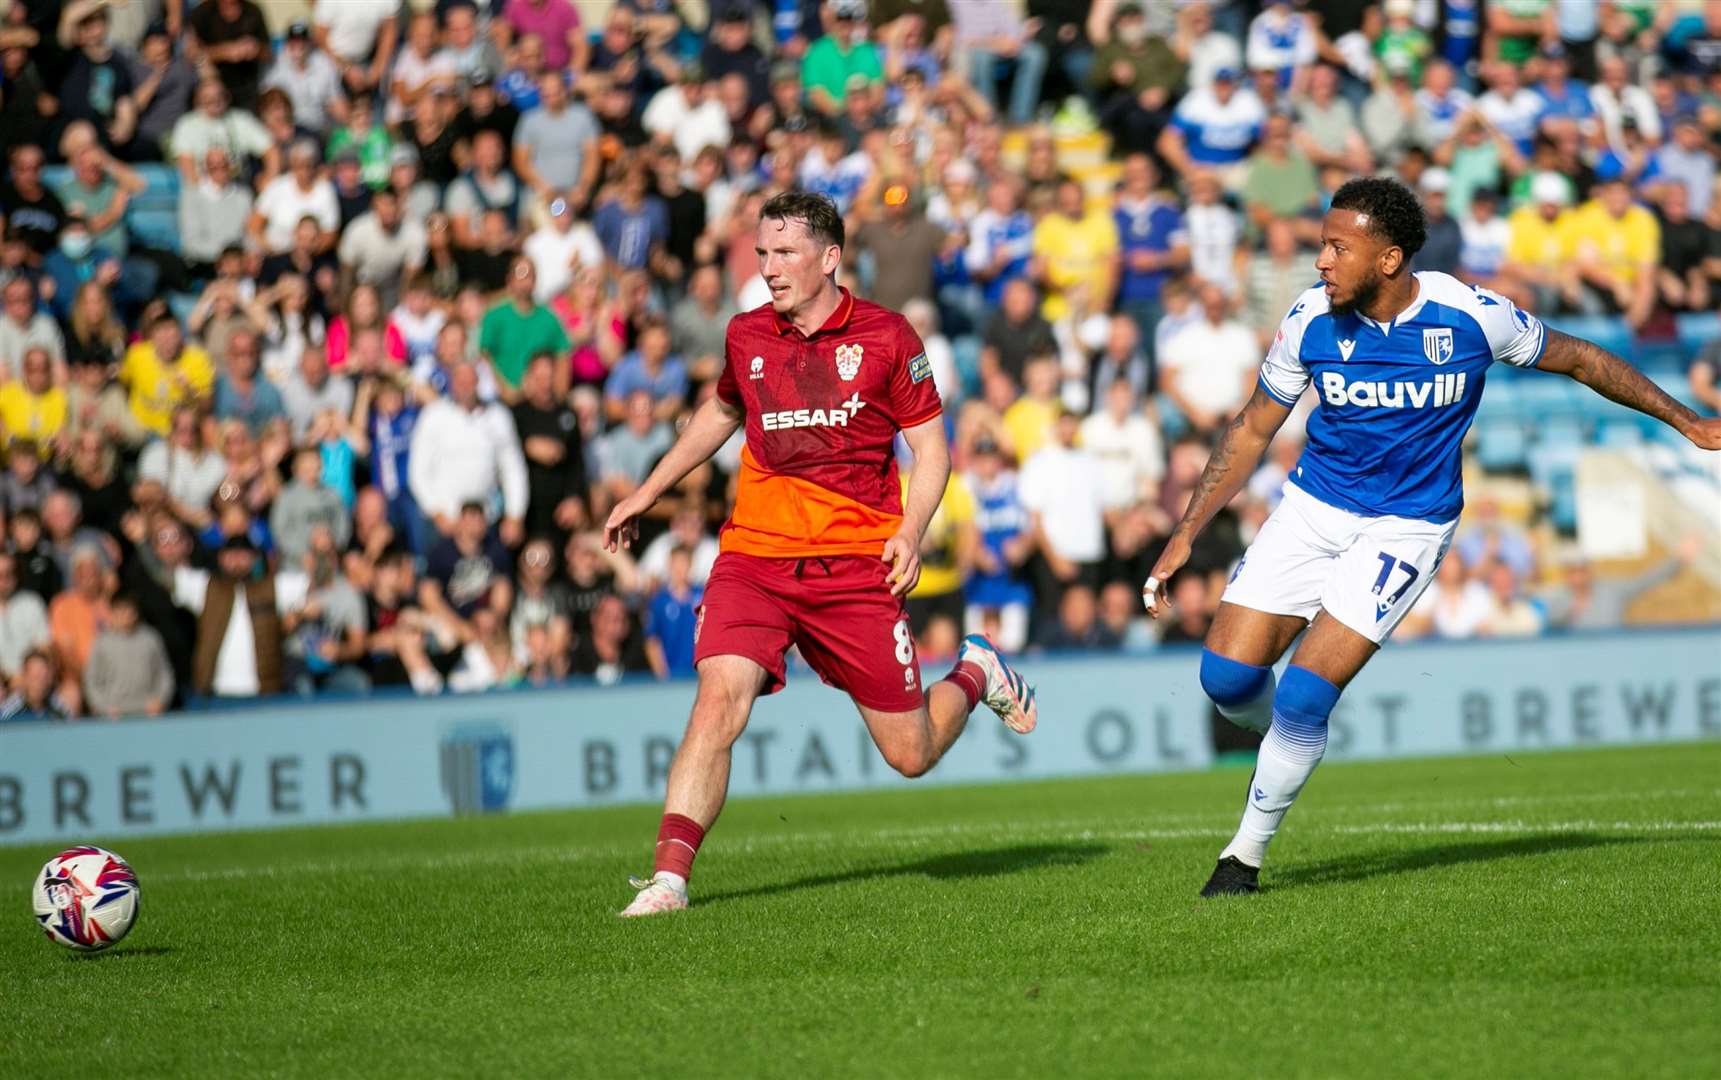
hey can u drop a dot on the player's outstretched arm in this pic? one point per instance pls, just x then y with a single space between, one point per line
710 427
1232 463
1617 380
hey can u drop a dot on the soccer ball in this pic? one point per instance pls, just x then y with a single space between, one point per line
85 898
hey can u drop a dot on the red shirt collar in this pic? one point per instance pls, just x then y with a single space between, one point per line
839 318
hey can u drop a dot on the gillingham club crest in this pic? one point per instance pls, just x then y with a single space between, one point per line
848 362
1437 345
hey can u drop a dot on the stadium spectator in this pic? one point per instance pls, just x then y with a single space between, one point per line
38 696
1510 613
129 673
360 36
290 199
215 212
550 437
1127 447
1616 247
1016 332
38 572
25 485
240 393
313 390
556 147
33 407
1445 242
1279 182
672 617
309 78
1682 279
163 80
1208 369
163 372
216 122
322 619
462 450
651 368
24 327
519 328
76 615
1064 494
1213 127
614 647
34 214
23 621
840 59
559 249
1075 252
1585 602
382 247
305 505
1542 243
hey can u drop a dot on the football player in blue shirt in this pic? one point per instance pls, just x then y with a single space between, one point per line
1397 360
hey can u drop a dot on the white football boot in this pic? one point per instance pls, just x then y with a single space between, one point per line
1007 693
657 894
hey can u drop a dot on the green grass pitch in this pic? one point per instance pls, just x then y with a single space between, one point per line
1540 915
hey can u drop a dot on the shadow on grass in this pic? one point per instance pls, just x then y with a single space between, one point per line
994 862
1453 852
120 952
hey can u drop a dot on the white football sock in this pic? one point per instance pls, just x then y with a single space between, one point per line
1289 754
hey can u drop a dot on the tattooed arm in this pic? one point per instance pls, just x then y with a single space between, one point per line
1232 463
1617 380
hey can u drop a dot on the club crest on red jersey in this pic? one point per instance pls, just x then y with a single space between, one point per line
848 362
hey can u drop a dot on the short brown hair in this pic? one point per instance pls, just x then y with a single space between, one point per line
817 212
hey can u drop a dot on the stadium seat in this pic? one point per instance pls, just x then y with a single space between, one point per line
158 229
1502 445
1563 509
1618 434
1660 357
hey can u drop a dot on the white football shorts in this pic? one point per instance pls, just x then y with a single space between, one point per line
1366 571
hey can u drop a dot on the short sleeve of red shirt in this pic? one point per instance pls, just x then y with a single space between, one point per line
728 389
913 395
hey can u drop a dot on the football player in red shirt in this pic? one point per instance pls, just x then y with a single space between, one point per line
820 548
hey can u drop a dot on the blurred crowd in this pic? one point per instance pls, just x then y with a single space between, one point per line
438 282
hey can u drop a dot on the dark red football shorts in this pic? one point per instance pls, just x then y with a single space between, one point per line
838 610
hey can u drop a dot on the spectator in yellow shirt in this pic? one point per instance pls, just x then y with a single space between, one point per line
1538 250
1028 422
33 407
1616 246
162 373
1075 247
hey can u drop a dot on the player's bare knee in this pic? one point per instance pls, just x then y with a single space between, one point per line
720 710
910 760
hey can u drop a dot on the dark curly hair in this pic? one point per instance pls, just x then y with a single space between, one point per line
1393 212
817 212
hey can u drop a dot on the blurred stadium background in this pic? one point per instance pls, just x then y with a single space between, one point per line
377 307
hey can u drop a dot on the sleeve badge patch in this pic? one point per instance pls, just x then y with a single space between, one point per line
920 368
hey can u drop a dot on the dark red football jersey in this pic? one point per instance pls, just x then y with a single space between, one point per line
818 474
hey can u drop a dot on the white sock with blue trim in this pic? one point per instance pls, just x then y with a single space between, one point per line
1289 754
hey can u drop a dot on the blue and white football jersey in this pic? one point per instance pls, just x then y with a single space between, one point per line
1394 400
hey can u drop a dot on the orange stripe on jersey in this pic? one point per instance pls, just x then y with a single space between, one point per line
786 517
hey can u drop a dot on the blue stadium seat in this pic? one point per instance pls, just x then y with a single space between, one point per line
158 229
1660 357
1500 400
1563 509
1501 445
181 303
1697 329
1619 434
54 176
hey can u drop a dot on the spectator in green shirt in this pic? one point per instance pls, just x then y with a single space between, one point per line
370 139
1280 183
838 57
518 329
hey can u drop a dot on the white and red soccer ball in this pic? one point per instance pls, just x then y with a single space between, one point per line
86 898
